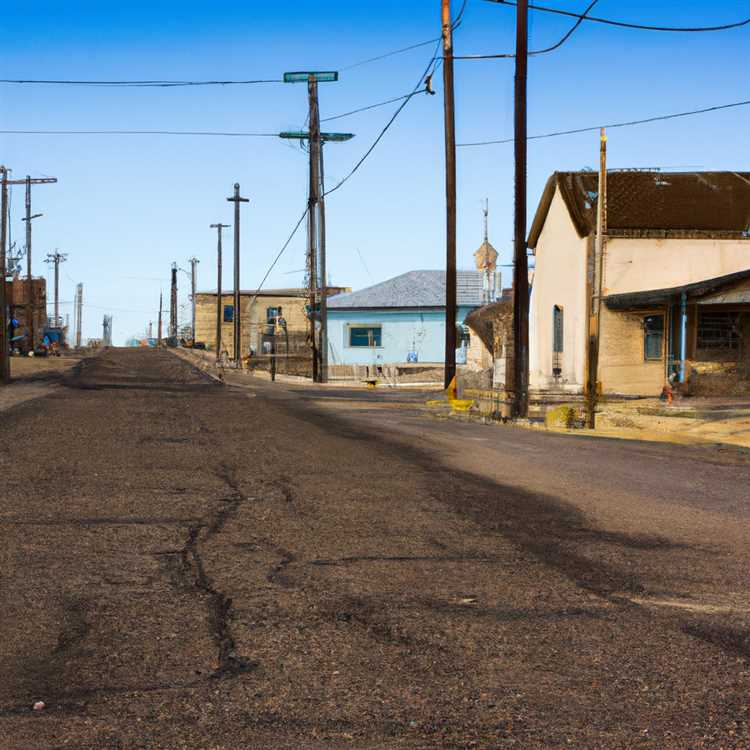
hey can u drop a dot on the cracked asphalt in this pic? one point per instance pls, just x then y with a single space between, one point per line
193 565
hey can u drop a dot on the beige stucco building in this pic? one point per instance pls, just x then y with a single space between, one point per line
258 308
675 280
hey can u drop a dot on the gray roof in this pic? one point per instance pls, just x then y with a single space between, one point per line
413 289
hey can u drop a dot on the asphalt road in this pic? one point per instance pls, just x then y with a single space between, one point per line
191 565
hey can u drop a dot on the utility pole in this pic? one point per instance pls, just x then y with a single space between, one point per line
173 303
4 344
79 314
592 383
193 263
314 198
236 317
56 258
107 330
520 261
219 316
316 226
29 181
450 196
159 324
4 347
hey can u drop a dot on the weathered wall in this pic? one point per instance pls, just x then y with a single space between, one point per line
634 265
559 279
623 368
417 330
253 319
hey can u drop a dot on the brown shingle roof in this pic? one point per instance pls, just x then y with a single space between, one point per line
667 203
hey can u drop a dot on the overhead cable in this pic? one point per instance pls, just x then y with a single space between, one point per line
625 124
364 109
225 134
137 84
626 25
423 81
278 256
544 51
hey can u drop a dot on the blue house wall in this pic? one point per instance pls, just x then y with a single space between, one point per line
403 331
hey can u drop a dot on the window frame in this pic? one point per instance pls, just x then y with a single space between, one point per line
352 326
558 312
647 334
227 313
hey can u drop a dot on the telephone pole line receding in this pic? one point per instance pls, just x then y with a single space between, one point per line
193 263
4 344
56 258
159 324
31 334
79 314
236 316
219 307
173 303
520 261
450 195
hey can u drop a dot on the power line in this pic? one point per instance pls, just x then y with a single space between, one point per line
137 84
364 109
389 54
385 55
224 134
424 78
626 25
626 124
544 51
278 256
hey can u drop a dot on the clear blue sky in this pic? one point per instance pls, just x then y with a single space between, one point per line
126 207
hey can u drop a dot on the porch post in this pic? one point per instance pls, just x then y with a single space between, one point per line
683 335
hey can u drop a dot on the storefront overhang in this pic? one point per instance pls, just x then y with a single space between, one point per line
652 298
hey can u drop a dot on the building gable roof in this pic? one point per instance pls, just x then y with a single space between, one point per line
413 289
652 203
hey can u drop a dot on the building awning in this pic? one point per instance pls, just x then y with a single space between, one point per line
659 297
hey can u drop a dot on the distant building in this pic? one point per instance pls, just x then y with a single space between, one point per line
399 320
258 308
675 281
17 297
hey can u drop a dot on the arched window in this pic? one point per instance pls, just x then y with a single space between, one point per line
558 332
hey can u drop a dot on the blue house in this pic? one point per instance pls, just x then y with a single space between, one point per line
399 320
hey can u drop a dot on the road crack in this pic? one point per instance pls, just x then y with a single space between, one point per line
193 570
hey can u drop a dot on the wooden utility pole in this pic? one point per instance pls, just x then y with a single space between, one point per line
236 317
314 197
159 323
219 308
323 271
592 382
28 219
4 344
193 279
56 258
173 303
450 195
79 314
520 261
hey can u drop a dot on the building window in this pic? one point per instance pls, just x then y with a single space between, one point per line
718 330
653 336
272 314
557 329
365 336
228 313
